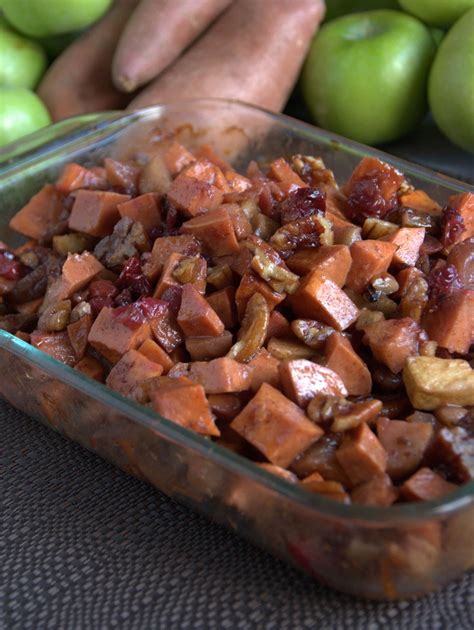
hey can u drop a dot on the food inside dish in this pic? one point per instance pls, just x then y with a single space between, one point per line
320 328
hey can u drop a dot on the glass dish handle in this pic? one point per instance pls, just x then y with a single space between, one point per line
53 137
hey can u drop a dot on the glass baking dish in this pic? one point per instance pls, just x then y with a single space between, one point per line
403 551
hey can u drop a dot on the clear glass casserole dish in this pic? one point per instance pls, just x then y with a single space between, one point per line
398 552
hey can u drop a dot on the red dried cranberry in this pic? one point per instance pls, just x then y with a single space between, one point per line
170 224
302 203
10 267
124 298
443 280
133 278
366 197
155 232
172 296
101 294
136 314
151 307
452 226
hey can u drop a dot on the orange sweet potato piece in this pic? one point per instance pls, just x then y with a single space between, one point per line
221 376
361 455
187 406
278 326
223 302
95 212
56 344
130 373
206 152
239 263
426 485
215 230
75 176
91 367
37 217
392 341
388 178
250 284
176 157
370 258
206 348
302 380
144 209
275 426
167 278
405 444
464 204
152 351
265 369
194 197
332 262
342 359
419 200
320 298
408 242
196 317
378 491
286 178
242 225
163 247
112 338
78 270
451 321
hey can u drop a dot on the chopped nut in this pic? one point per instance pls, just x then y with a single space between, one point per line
190 270
220 276
385 283
311 332
376 228
363 411
308 232
74 243
250 209
288 349
450 414
81 309
263 226
347 235
55 317
324 408
313 170
431 382
367 317
428 348
270 267
254 329
414 298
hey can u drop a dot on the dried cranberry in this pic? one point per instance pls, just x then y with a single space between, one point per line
443 280
302 203
136 314
133 278
151 307
452 226
155 232
170 223
124 298
10 267
101 294
172 296
366 198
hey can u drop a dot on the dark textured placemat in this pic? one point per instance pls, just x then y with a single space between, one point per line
82 545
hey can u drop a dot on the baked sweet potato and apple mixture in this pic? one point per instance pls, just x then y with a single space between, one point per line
322 329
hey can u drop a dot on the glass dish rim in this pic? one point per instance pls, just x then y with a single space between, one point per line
392 516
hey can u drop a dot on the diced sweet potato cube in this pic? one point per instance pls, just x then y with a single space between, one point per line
196 317
167 278
144 209
215 230
451 322
239 263
332 262
330 489
78 270
37 217
163 247
75 176
223 302
152 351
370 258
78 332
283 349
302 380
392 341
275 426
186 405
130 373
408 241
321 299
92 368
225 406
123 175
464 204
56 344
206 152
378 491
287 179
206 171
265 369
206 348
112 338
431 382
221 376
426 485
242 226
278 326
250 284
419 200
361 455
405 444
194 197
342 358
176 157
287 475
95 212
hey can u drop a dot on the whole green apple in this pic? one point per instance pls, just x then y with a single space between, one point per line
451 83
43 18
21 112
365 76
437 12
22 62
336 8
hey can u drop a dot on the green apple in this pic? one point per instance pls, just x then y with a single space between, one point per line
437 12
336 8
21 112
437 34
365 76
22 62
451 83
43 18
